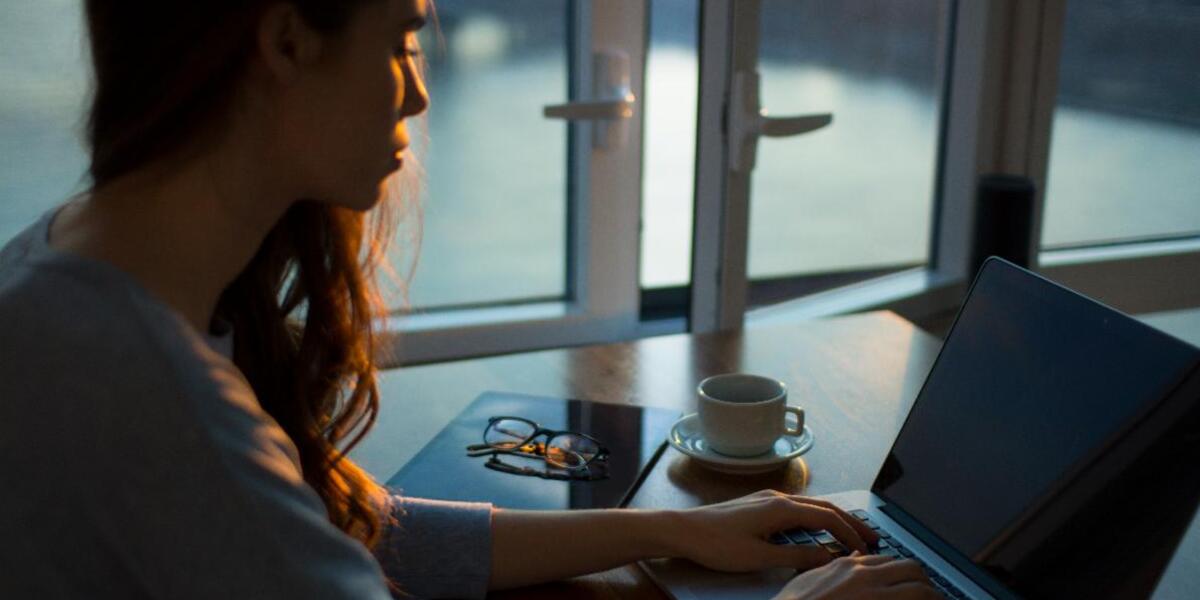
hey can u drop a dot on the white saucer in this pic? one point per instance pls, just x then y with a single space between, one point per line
686 437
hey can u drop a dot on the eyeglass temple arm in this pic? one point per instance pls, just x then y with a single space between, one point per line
504 467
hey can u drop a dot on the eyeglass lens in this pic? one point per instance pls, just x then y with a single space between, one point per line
507 434
570 450
567 450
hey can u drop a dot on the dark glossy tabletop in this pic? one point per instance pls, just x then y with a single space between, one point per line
856 377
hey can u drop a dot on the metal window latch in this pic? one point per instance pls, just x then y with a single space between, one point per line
748 121
613 107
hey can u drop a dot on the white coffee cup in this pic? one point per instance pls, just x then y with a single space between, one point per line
743 415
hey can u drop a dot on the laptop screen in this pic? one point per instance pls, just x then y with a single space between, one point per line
1033 383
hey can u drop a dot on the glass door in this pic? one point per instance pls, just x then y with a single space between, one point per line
829 155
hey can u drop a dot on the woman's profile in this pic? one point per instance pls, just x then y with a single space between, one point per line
188 347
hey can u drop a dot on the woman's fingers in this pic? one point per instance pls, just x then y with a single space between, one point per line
896 572
802 558
848 529
871 559
912 590
863 530
812 516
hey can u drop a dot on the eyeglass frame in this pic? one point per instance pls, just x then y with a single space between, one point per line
602 452
584 473
536 451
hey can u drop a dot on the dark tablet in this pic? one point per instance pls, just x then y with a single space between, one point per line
634 435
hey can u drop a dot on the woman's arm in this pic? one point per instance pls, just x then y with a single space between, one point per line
533 546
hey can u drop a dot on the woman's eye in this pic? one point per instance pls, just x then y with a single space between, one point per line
406 51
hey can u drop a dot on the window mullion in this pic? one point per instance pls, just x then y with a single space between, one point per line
608 202
728 42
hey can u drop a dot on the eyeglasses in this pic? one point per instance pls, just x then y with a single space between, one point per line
568 450
592 472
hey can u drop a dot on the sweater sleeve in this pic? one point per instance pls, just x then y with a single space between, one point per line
220 509
436 548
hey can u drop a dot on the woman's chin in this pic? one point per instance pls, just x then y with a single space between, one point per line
370 201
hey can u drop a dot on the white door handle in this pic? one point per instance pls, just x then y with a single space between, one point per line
748 121
595 110
613 107
789 126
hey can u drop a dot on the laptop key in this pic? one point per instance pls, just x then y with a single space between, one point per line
778 538
837 549
905 552
798 536
825 538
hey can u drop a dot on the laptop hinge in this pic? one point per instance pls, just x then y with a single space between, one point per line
977 575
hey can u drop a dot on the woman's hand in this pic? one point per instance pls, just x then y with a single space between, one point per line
858 576
732 536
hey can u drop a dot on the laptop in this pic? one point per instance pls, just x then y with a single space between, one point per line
1051 453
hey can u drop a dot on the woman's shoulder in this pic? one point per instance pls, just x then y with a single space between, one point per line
121 382
142 437
52 299
83 345
67 315
55 299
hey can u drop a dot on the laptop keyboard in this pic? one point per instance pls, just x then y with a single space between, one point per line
888 546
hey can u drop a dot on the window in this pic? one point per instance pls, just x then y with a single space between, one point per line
670 154
565 268
530 224
44 74
856 195
494 195
1125 149
542 230
852 199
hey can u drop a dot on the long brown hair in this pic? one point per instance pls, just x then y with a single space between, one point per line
303 310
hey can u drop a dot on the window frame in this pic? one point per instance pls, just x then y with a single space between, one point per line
603 195
1000 112
997 114
729 34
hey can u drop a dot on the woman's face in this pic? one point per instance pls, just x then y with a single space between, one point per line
350 131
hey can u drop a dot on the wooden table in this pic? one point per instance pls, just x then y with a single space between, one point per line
856 377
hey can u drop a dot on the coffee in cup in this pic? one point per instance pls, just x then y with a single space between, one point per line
743 415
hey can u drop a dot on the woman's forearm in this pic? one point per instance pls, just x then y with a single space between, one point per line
532 547
536 546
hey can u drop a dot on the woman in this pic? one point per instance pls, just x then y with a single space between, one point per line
188 347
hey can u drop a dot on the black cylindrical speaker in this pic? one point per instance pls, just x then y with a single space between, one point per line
1003 220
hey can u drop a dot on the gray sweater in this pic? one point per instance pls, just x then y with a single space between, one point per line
136 462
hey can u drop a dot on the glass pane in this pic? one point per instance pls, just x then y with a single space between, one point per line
44 73
1125 151
672 77
858 194
495 190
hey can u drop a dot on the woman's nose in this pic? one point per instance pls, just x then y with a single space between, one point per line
416 97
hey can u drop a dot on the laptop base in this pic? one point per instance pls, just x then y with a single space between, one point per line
685 580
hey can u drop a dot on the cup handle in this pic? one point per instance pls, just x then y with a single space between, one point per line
799 412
